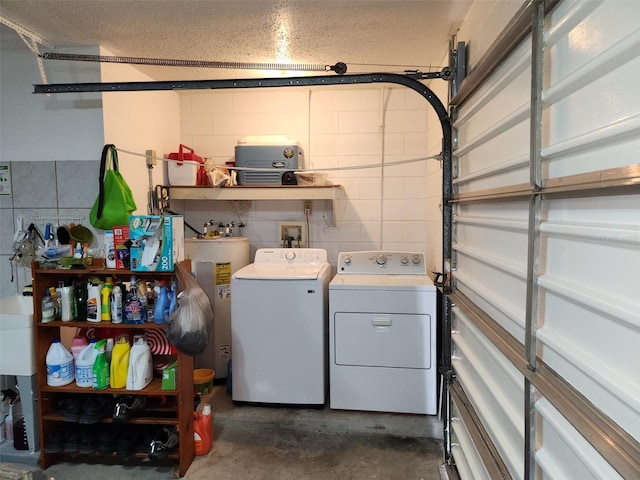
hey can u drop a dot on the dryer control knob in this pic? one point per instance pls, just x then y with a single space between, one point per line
416 259
381 259
404 260
347 260
290 255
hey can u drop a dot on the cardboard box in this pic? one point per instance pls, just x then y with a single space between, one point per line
121 246
170 376
157 242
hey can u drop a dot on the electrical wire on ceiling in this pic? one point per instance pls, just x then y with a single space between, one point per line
340 68
301 170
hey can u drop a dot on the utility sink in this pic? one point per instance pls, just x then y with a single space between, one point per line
17 345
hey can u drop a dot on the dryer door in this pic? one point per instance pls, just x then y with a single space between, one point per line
382 340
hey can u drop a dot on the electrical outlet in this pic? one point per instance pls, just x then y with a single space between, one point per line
292 234
307 207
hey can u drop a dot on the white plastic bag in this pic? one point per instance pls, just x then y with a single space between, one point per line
190 323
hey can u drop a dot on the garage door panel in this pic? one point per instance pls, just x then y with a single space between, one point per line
589 312
564 453
490 254
488 379
557 267
468 461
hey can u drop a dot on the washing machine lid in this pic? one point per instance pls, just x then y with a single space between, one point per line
303 271
382 282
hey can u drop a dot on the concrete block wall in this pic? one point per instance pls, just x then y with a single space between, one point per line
388 206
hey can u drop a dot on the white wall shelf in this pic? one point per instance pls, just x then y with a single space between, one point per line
333 193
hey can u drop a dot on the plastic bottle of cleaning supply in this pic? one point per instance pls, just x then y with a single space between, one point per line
80 300
94 309
120 362
109 349
173 298
78 251
48 308
140 372
8 424
116 305
202 430
134 312
105 303
56 303
109 249
77 345
84 365
60 368
101 367
161 307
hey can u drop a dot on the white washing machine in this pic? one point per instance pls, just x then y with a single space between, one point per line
382 334
213 262
279 313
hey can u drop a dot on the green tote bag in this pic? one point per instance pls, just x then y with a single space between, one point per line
115 201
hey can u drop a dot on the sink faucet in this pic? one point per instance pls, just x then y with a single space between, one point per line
205 228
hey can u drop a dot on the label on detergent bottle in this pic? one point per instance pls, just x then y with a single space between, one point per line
134 312
58 375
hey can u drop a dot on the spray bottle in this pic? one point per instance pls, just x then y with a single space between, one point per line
101 367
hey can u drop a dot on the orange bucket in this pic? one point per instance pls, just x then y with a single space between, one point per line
203 380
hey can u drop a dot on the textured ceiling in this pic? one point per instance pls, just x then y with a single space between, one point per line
367 35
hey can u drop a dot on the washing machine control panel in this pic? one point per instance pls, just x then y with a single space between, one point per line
291 255
381 262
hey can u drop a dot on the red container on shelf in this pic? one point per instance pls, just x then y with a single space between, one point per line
187 169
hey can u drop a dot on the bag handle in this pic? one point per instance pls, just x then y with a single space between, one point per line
193 154
103 167
181 153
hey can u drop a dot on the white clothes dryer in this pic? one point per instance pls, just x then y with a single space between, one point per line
279 331
382 334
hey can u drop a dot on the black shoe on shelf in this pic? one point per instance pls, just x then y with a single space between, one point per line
165 443
128 439
107 439
126 406
147 434
71 440
95 409
56 439
70 407
88 444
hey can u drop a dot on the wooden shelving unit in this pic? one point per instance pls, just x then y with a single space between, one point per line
173 408
333 193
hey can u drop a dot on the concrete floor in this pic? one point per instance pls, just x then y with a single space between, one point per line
256 442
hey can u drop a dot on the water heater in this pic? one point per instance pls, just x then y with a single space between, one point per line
213 262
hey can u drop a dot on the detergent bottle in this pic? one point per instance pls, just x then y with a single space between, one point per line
105 304
84 365
60 368
134 311
48 310
101 367
140 372
116 305
202 430
77 345
161 307
94 309
120 361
